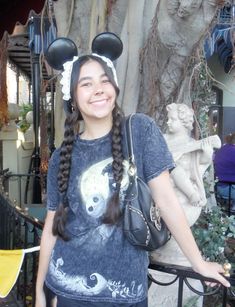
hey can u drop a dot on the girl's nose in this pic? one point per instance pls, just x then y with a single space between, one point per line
98 89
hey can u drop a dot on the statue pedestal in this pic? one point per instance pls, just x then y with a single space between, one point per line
167 296
192 158
16 156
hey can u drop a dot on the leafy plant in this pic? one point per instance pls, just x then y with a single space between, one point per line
192 301
23 124
213 232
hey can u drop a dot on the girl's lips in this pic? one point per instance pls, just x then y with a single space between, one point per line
100 101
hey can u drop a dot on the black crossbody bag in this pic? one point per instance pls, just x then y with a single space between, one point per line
142 224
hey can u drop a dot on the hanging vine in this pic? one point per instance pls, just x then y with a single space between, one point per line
202 94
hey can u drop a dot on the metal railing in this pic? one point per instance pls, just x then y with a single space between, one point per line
21 187
225 203
182 274
20 231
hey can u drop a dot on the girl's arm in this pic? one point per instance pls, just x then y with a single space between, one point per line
172 213
47 244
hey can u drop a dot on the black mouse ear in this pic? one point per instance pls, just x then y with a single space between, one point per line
107 44
60 51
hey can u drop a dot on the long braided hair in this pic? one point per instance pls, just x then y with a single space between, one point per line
113 211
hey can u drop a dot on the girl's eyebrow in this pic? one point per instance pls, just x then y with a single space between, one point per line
84 78
90 78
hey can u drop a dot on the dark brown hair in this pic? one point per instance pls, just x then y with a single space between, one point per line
113 212
230 138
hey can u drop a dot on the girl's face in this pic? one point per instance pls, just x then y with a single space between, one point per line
95 93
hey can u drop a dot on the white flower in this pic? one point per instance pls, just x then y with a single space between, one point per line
221 249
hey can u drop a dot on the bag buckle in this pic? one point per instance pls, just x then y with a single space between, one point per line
155 217
132 170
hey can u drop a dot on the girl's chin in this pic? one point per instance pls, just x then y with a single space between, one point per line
99 115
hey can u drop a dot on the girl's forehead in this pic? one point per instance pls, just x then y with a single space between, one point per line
91 67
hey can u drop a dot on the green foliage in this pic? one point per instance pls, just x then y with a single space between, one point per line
203 120
202 83
212 232
24 109
202 94
192 301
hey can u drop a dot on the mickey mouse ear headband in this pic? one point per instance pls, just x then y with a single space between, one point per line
107 44
62 53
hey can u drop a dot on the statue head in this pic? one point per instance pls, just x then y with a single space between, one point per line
183 8
188 7
181 112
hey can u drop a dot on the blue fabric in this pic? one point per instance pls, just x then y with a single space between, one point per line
38 40
98 264
220 34
64 302
224 163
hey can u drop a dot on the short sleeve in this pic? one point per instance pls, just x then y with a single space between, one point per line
52 185
156 155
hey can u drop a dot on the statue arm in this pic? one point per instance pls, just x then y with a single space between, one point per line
183 183
207 145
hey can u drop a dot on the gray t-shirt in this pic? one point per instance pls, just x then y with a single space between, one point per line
98 263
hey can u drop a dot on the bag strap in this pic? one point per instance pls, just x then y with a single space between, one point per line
132 171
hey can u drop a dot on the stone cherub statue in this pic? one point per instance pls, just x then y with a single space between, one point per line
192 157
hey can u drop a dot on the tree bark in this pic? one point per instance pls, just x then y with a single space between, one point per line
178 29
159 38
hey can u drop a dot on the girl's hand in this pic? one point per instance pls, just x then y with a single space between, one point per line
212 270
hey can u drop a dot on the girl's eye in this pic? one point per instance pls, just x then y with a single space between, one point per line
87 84
105 81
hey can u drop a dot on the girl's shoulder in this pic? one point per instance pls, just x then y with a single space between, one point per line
55 157
141 121
144 129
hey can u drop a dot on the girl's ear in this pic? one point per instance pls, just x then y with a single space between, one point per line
107 44
60 51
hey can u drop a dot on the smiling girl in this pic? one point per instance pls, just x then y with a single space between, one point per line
85 259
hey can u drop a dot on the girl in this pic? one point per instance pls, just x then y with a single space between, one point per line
85 260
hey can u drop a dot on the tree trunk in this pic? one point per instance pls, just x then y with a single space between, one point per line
159 37
177 30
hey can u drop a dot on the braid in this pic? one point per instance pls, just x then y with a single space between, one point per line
63 175
113 211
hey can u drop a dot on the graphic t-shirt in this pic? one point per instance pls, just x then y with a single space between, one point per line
98 263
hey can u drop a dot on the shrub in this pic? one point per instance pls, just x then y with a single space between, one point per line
213 232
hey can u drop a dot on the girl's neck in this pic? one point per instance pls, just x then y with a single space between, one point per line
96 129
